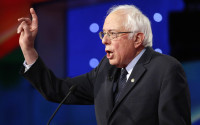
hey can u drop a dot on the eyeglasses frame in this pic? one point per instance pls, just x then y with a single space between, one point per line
100 34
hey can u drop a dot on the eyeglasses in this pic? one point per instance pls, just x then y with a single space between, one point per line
111 35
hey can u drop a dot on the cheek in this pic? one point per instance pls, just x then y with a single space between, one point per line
119 51
121 48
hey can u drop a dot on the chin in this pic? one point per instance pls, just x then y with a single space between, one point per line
114 63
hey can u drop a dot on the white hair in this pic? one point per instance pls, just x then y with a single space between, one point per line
135 21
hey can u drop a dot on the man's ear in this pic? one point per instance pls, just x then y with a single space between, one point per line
138 40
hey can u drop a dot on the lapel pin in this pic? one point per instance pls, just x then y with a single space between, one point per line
132 80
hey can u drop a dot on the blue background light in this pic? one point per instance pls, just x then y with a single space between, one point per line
158 50
94 27
93 63
157 17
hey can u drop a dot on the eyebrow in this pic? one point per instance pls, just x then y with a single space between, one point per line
110 30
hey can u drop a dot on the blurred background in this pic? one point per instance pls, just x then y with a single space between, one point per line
69 44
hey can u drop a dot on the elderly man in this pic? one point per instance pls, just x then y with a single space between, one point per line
132 85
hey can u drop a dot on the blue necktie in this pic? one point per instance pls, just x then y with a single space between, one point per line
121 84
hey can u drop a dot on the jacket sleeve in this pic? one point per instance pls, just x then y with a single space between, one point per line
174 101
55 89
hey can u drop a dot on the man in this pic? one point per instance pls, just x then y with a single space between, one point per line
132 85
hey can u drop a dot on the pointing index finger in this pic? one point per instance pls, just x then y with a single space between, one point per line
34 17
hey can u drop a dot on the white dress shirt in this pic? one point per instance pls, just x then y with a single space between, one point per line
132 64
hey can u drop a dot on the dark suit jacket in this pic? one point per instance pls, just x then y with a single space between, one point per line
156 93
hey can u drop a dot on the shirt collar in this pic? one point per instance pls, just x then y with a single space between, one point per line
132 64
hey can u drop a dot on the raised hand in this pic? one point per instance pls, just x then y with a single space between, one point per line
28 30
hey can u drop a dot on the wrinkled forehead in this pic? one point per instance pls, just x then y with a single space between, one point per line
114 22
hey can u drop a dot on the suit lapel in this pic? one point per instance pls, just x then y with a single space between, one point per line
112 77
135 76
139 70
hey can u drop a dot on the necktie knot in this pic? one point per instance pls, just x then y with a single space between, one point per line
123 74
122 79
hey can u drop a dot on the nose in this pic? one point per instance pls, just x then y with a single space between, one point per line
106 40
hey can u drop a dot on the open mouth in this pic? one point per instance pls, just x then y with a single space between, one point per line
109 54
